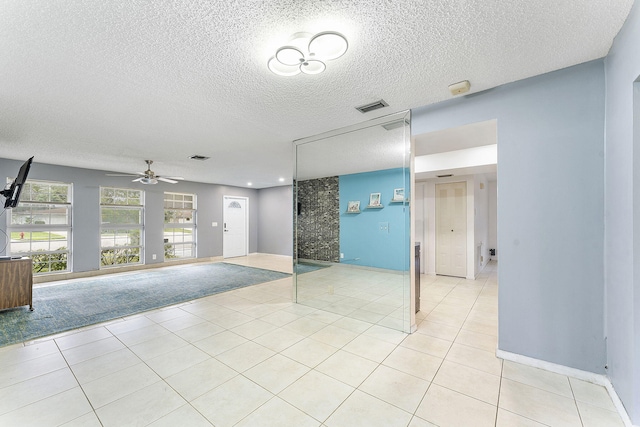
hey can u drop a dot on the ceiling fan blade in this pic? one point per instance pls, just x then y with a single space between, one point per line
177 178
137 179
170 181
121 174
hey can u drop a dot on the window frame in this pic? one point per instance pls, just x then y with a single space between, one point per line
170 248
122 252
40 257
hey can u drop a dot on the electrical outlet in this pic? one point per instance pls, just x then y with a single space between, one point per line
214 224
341 255
153 256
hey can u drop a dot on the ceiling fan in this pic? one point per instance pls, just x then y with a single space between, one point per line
149 177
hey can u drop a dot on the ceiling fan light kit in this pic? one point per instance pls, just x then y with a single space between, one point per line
149 177
307 54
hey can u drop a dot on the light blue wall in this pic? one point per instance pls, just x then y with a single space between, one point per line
622 213
550 209
275 221
86 210
361 239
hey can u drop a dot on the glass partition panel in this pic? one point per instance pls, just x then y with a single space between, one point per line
352 254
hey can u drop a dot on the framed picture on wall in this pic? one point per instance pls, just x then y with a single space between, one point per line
353 206
374 199
398 195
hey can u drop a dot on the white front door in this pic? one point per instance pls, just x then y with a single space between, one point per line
235 233
451 229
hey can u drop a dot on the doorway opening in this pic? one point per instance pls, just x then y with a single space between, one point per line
465 155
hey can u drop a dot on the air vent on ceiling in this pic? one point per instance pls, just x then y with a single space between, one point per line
444 176
373 106
199 157
395 124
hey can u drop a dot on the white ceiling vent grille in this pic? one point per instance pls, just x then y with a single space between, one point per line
199 157
373 106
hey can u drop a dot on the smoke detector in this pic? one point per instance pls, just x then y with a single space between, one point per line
460 87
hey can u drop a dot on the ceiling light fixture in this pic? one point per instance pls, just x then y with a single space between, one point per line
308 54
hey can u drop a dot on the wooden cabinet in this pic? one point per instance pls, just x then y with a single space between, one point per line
16 283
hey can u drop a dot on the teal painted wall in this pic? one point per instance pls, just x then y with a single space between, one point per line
364 239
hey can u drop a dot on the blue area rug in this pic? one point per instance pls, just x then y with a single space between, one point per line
85 302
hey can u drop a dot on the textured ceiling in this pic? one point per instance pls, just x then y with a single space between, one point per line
107 84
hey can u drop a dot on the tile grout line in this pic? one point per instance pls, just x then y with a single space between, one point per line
575 401
453 342
93 409
163 380
439 366
499 393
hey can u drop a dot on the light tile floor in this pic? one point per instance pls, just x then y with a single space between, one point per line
372 295
250 357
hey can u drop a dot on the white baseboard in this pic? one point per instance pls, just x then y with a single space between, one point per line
54 277
591 377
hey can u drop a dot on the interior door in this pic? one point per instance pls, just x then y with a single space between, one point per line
235 233
451 229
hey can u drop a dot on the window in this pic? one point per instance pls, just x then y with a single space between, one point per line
40 226
179 225
121 226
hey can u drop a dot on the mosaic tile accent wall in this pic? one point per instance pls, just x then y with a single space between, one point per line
319 219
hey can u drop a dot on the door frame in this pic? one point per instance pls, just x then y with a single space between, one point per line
246 222
466 225
430 228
